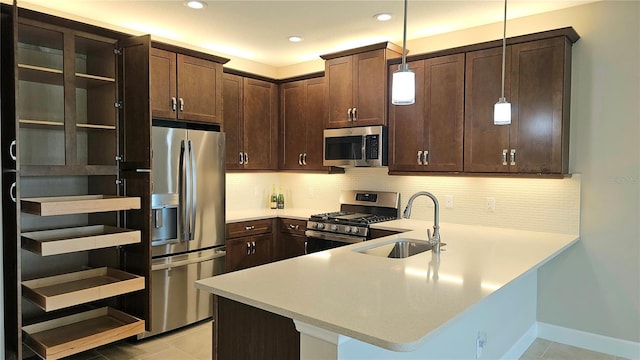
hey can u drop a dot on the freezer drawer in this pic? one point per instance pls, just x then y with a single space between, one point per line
175 301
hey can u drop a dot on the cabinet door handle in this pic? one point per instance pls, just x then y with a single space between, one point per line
355 114
350 114
241 159
420 157
181 104
249 228
300 159
12 150
246 158
304 159
305 248
12 192
504 156
248 248
174 104
513 157
253 247
425 157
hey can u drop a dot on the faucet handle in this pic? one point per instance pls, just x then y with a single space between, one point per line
429 235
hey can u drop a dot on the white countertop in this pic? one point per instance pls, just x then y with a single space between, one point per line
247 215
392 303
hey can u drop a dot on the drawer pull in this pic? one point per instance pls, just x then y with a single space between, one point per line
294 227
249 228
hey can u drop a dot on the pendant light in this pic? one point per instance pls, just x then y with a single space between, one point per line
403 83
502 109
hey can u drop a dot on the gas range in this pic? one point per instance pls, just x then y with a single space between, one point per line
346 222
358 210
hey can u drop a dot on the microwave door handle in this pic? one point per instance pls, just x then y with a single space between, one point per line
364 149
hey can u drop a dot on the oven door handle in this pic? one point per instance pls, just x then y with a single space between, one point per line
335 237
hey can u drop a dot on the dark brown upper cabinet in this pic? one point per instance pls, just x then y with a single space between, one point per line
357 85
303 108
428 135
184 87
251 123
537 84
66 101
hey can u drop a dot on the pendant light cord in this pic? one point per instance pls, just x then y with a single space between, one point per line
404 38
504 44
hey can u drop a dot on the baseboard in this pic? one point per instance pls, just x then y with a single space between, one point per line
516 351
589 341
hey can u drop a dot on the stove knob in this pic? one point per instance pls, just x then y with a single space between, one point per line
354 230
320 226
334 227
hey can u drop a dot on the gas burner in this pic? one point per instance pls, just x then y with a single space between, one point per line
357 211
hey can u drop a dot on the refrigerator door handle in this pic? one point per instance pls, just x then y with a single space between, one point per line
189 193
162 266
194 192
182 198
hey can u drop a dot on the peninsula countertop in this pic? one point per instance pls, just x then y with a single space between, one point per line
392 303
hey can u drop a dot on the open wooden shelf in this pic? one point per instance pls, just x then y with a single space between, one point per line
40 74
62 291
68 240
70 335
65 205
86 81
42 124
95 126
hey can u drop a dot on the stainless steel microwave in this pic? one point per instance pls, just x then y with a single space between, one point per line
356 146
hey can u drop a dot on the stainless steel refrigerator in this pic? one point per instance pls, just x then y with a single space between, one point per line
188 221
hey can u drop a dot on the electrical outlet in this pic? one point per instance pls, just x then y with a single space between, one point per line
449 201
481 342
491 204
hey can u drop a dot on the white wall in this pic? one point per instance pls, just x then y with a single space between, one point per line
528 204
595 286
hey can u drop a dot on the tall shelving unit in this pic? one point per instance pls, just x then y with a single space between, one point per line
71 204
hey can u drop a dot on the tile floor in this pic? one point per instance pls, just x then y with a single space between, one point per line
549 350
190 343
194 343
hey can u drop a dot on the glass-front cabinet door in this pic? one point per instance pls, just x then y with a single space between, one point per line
66 101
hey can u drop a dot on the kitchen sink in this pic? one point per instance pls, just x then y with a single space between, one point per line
397 248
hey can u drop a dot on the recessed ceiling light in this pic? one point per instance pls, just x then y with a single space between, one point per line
194 4
295 38
382 17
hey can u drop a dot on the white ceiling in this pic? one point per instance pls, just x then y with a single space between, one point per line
258 30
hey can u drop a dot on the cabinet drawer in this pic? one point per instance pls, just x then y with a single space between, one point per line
293 226
249 228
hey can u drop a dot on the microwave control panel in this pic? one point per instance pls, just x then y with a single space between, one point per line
372 147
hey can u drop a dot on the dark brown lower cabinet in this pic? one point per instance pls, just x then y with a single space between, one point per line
378 233
244 332
291 241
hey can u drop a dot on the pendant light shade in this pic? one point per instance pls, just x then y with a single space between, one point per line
502 109
403 88
403 82
502 112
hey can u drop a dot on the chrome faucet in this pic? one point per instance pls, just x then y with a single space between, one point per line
435 239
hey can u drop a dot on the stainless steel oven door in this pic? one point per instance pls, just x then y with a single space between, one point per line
320 240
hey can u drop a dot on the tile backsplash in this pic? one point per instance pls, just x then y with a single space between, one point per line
551 205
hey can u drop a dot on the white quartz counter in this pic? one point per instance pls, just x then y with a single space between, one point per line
247 215
392 303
